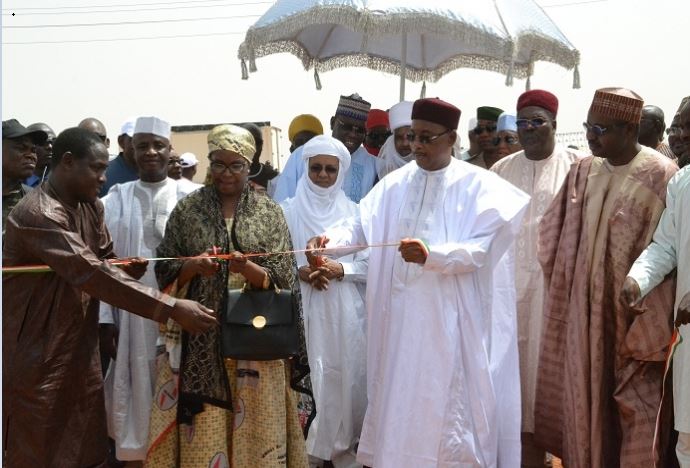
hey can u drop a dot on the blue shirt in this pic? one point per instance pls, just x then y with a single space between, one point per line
118 172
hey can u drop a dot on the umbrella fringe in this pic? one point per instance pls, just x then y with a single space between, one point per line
509 75
576 78
422 94
245 73
317 79
528 83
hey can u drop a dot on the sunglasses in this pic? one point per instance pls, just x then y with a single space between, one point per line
673 130
173 162
508 139
234 168
479 129
524 124
347 127
317 168
378 136
598 130
424 139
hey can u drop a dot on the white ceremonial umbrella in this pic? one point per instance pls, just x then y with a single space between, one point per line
419 39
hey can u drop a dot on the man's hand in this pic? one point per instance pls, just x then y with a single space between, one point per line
108 335
315 277
317 242
135 266
683 313
331 269
631 295
412 251
192 316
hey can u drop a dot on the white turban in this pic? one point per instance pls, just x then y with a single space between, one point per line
400 115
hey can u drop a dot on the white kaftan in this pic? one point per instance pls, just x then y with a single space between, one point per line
442 392
136 214
541 180
670 248
334 319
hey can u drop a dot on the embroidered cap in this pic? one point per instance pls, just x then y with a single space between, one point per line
354 107
152 125
618 104
506 122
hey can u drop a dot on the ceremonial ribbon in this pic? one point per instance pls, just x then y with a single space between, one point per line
119 262
676 340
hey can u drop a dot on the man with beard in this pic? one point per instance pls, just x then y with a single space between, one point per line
53 408
136 214
18 163
600 363
348 126
123 168
486 132
44 151
396 151
538 170
652 128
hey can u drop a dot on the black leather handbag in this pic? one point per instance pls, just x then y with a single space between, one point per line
259 325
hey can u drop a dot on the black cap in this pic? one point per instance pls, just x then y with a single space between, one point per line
13 129
41 127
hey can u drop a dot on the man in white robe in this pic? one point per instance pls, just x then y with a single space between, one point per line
348 126
333 303
442 378
670 248
538 170
396 152
136 214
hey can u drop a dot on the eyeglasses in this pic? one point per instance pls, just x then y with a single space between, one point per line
479 129
673 130
174 162
317 168
509 140
348 127
424 139
219 168
524 124
598 130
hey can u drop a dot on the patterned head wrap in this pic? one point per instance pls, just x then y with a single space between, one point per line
618 104
353 106
232 138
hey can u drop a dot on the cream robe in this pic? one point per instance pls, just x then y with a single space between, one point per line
670 248
541 180
442 392
136 228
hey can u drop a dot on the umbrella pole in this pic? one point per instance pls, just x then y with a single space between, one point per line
403 66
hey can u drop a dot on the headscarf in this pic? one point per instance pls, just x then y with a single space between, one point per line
232 138
318 208
389 159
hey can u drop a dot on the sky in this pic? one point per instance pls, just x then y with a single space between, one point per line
179 61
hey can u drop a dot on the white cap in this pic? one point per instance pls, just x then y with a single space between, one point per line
152 125
188 160
506 121
128 126
472 125
400 115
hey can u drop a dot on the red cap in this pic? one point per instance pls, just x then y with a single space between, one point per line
539 98
377 118
437 111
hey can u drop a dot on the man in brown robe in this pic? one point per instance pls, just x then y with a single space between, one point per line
601 362
53 409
